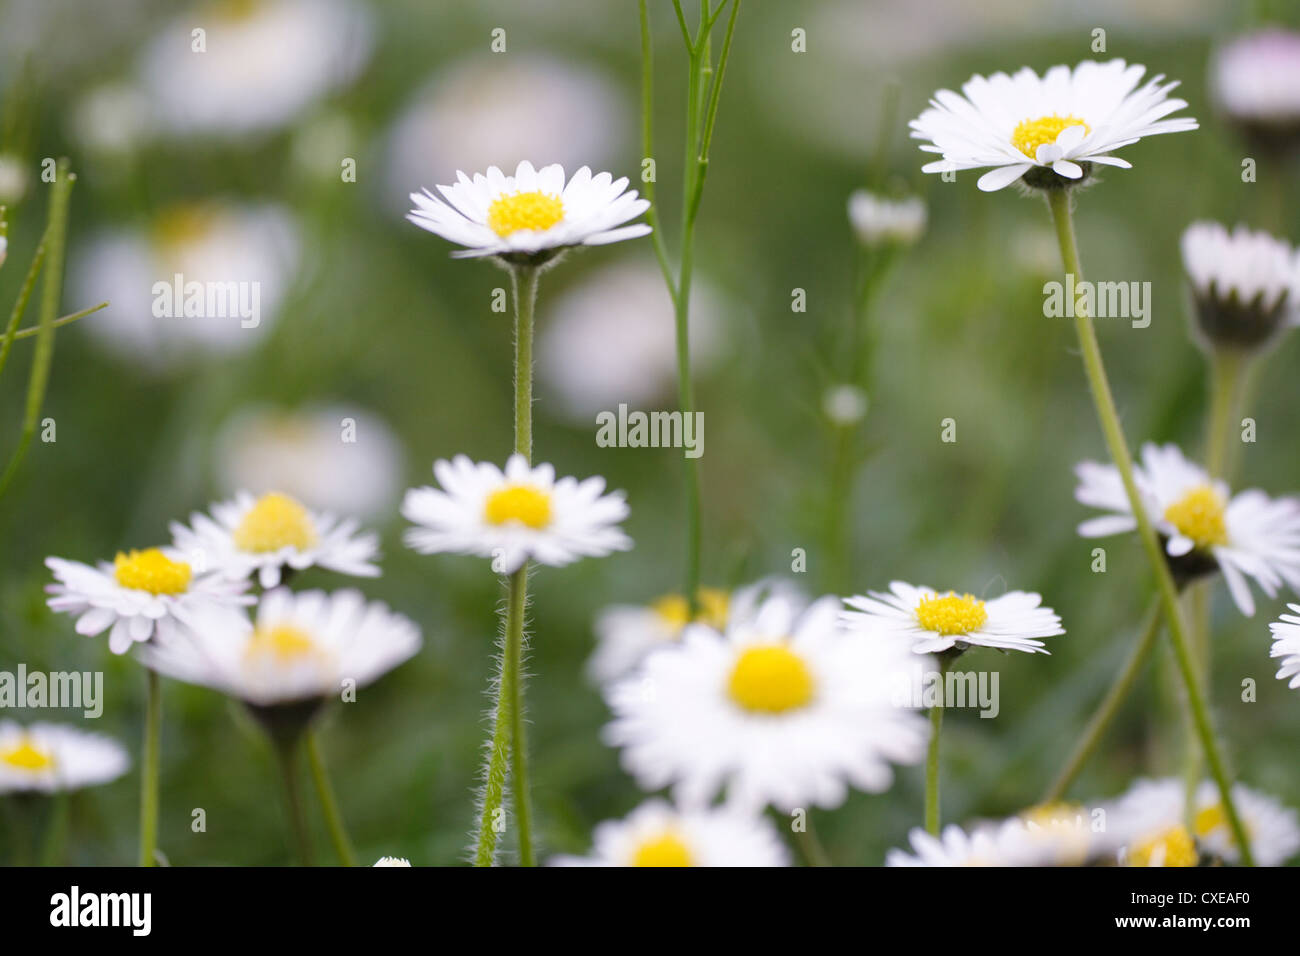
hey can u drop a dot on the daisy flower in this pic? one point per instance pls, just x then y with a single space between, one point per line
786 708
952 847
934 623
139 595
51 758
532 214
1286 645
1246 284
392 861
1055 835
514 515
656 834
1247 535
877 219
273 535
298 648
1046 130
1255 81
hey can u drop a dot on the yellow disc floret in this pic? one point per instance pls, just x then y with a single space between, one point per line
1172 847
1032 133
513 212
771 679
27 756
151 570
281 642
951 614
1199 515
276 521
711 609
665 849
522 503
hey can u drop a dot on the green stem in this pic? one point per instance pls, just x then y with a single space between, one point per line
285 751
932 817
647 151
329 804
490 823
149 769
810 847
524 279
56 831
1226 377
513 664
1059 202
20 303
1108 708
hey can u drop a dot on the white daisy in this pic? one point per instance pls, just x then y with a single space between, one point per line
952 847
264 63
274 534
299 647
1025 125
1246 284
50 758
1255 80
934 622
515 515
137 596
1204 527
845 405
533 213
656 834
1054 835
392 861
878 219
787 708
1286 645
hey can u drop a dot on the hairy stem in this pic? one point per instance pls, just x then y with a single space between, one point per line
149 769
329 804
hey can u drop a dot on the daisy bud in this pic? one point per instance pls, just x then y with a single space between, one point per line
877 220
1255 81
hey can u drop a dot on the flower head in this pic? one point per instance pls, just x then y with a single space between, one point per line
933 622
1255 81
392 861
877 219
532 214
1247 535
1046 130
513 515
50 758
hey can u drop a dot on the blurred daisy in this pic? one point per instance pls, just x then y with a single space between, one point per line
1248 535
878 219
256 248
271 535
14 179
300 647
1255 80
50 758
656 834
610 340
514 515
488 110
392 861
1286 645
933 623
786 708
264 63
111 119
1030 127
337 458
139 595
532 214
952 847
1246 284
845 405
1042 836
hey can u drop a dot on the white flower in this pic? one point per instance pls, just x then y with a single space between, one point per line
1246 284
214 247
1052 835
268 535
1149 823
300 647
140 595
264 63
337 458
1244 535
531 212
1255 79
878 219
786 709
1286 645
1059 121
845 405
392 861
610 339
932 622
111 119
50 758
656 834
515 515
952 847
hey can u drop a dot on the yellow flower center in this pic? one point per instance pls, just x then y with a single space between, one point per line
1172 847
666 849
1032 133
771 679
951 614
236 10
1055 814
182 224
283 643
27 756
151 570
276 521
1214 818
522 503
534 210
1199 515
711 609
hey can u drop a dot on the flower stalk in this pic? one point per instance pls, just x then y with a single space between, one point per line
329 804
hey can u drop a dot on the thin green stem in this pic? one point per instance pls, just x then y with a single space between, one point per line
491 813
285 751
56 829
524 279
647 152
932 765
1226 376
1108 708
513 664
1108 416
149 768
61 321
329 804
811 847
20 304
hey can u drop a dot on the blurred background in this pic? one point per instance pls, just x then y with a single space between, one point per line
232 162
